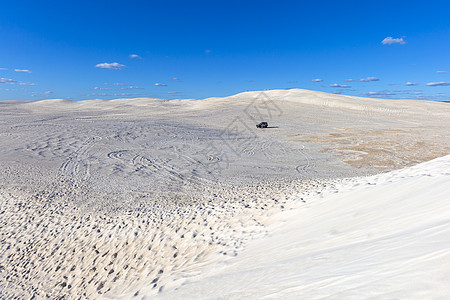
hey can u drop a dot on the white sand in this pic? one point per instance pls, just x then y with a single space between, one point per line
111 199
379 237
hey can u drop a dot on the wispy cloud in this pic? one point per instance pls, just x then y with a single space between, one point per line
37 94
408 92
23 71
132 88
134 56
8 81
411 83
340 85
440 83
339 92
441 72
99 95
317 80
113 66
102 88
378 94
207 51
3 69
160 84
390 40
349 80
126 94
438 96
176 79
367 79
11 81
173 92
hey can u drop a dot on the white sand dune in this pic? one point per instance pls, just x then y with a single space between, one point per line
379 237
112 199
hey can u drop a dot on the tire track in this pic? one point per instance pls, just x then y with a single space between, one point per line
307 167
77 166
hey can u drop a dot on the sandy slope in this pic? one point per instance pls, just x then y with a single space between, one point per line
381 237
114 198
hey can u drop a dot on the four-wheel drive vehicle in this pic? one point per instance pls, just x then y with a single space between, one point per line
262 125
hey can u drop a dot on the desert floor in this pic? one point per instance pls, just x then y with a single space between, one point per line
110 199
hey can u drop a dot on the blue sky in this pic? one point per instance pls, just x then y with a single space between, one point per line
178 49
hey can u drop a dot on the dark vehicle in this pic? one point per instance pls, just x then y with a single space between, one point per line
262 125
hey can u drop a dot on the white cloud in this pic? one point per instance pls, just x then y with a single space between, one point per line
440 83
317 80
160 84
349 80
113 66
23 71
339 85
3 69
411 83
441 72
134 56
367 79
390 40
176 79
